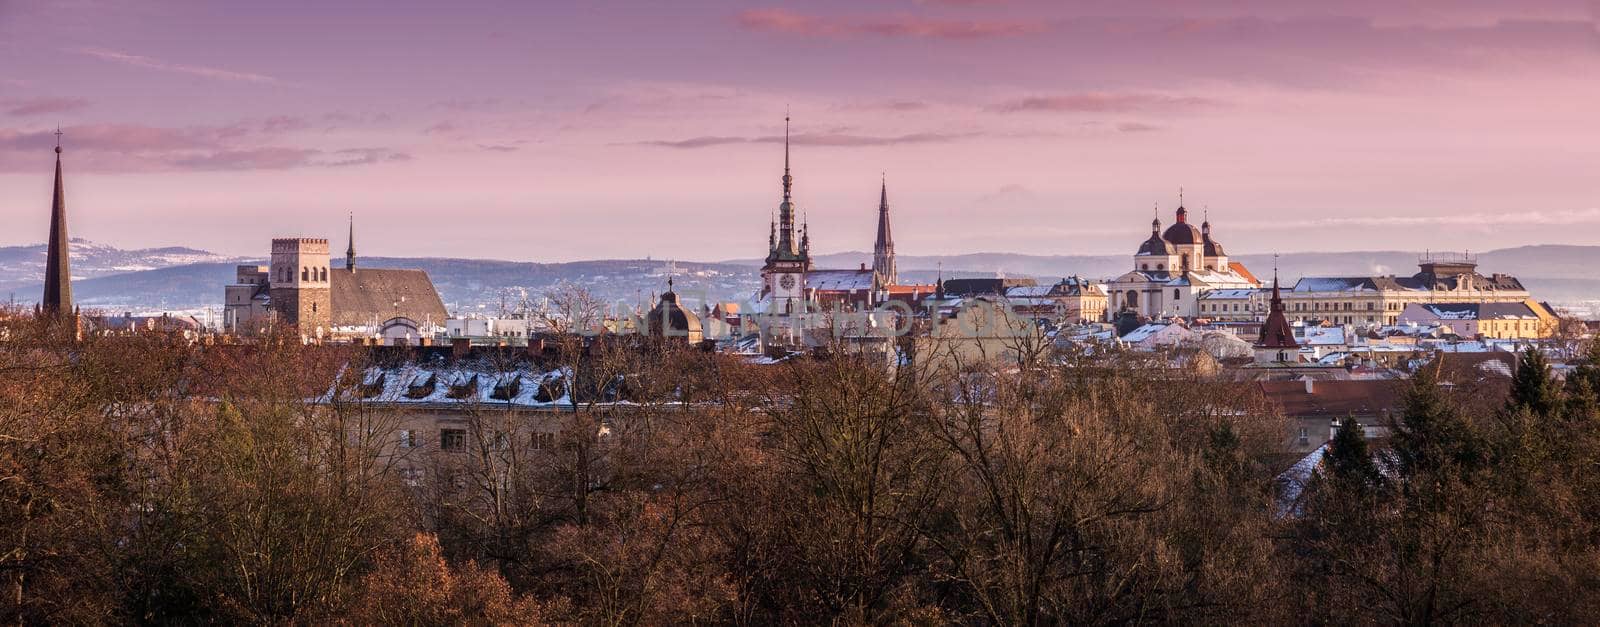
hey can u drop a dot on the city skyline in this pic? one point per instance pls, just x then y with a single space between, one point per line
639 130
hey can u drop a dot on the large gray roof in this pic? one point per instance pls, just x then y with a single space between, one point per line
366 294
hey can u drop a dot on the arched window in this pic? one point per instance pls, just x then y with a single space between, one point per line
1177 294
324 275
1161 266
305 273
1144 266
1133 298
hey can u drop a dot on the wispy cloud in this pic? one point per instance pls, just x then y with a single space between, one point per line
1102 102
41 106
814 139
132 147
498 148
900 26
180 68
1478 220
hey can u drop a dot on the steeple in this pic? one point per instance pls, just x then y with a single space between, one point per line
57 299
883 250
789 246
350 252
1275 331
938 284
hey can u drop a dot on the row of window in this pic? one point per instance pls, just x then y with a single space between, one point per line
456 440
307 273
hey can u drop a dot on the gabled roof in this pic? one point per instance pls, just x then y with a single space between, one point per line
1333 399
361 296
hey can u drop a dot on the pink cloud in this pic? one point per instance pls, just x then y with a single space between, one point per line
39 106
789 22
1101 102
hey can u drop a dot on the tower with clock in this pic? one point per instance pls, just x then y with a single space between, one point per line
788 256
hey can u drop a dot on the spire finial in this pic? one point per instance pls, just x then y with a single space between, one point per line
1180 195
58 139
788 180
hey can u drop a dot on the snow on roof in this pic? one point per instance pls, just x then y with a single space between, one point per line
1029 291
1229 293
1296 477
839 280
1324 336
1331 284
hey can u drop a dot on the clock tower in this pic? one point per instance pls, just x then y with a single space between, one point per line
788 257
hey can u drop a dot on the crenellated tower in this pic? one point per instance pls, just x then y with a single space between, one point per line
299 285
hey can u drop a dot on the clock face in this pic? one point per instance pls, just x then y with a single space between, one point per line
787 282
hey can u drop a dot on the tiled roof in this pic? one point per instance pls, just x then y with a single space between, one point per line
365 295
1333 399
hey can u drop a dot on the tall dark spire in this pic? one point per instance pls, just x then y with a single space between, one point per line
57 269
789 245
350 252
1276 331
883 250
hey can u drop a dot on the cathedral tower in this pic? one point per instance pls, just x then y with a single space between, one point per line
299 284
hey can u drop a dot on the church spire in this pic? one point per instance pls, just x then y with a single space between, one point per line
790 246
57 270
350 252
883 250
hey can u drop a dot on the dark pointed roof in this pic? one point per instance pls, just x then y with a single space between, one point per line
1276 332
883 250
350 252
57 298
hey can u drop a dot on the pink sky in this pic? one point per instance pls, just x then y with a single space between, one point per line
549 131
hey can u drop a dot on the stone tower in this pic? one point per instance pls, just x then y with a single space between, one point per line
299 284
789 257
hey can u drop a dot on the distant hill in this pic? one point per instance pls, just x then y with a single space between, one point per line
22 266
185 279
1548 261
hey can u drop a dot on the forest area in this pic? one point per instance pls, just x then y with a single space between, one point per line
150 481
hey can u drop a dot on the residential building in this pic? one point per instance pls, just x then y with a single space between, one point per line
1528 319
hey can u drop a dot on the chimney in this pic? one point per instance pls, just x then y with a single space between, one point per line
1311 386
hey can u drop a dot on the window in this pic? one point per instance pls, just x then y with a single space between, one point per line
452 439
408 438
544 441
1144 266
305 273
1161 266
412 476
1177 295
1369 306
